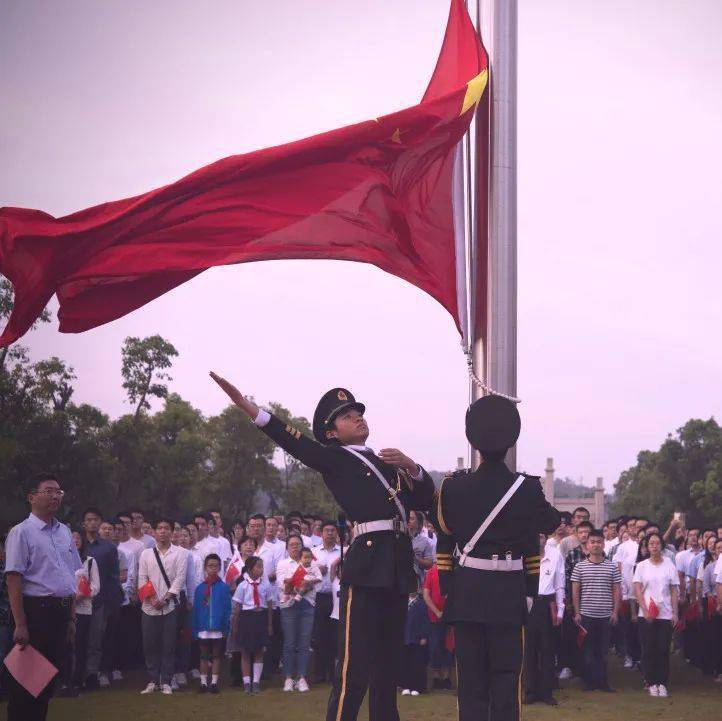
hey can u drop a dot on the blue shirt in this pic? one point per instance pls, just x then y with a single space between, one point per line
106 556
694 564
45 555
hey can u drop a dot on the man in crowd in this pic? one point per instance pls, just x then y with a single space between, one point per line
546 614
570 656
596 595
129 640
108 600
579 515
40 564
137 523
422 547
610 536
562 531
206 544
224 545
161 578
324 627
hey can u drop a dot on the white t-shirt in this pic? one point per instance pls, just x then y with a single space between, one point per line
626 555
657 580
226 552
610 544
717 575
84 604
336 592
271 553
207 546
682 560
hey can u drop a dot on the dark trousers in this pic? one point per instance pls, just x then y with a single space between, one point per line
325 638
711 642
371 639
569 654
539 649
415 661
656 637
488 664
159 638
110 660
82 629
47 622
632 643
127 635
596 645
272 657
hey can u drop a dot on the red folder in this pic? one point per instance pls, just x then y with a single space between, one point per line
84 587
298 576
146 591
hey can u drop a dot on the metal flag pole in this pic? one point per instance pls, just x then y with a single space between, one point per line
496 364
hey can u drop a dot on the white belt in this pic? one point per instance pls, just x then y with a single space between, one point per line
492 564
386 525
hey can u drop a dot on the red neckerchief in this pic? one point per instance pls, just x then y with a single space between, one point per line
207 591
256 595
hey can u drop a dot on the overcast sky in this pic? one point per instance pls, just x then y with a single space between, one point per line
620 121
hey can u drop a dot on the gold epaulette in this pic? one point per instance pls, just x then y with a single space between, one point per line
439 509
445 561
531 565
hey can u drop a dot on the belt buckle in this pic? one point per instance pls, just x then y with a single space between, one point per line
495 561
508 560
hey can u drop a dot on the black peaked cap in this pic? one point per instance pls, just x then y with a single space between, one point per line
330 405
492 424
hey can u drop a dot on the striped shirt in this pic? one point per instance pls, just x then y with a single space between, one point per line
597 584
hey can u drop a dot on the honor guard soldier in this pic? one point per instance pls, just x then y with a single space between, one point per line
492 516
377 492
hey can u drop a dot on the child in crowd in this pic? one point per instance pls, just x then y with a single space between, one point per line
311 576
211 620
416 647
252 621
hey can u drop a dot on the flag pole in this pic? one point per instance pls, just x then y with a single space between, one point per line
496 363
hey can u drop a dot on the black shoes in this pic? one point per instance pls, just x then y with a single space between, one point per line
214 688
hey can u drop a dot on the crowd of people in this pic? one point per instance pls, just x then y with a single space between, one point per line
182 597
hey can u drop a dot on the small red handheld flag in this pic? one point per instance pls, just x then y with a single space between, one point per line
147 591
232 573
84 587
653 609
581 635
298 576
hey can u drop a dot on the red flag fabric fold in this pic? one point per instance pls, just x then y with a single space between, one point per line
377 192
147 590
298 576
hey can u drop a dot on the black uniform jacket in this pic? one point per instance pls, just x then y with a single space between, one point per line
465 499
382 559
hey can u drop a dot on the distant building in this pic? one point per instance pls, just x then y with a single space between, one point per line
595 504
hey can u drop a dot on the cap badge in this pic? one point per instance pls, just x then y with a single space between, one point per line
342 396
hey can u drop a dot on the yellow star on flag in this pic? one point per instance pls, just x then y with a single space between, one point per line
474 90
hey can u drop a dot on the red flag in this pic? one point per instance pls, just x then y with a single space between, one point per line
146 591
232 573
450 640
653 609
298 576
581 635
711 607
692 613
84 587
378 192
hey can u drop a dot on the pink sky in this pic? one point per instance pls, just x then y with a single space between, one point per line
620 120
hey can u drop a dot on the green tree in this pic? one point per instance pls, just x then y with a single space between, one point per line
144 362
240 465
683 475
6 307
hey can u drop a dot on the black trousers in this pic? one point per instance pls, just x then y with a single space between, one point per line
488 664
82 629
656 637
371 639
539 649
596 646
415 661
272 657
47 623
569 654
325 638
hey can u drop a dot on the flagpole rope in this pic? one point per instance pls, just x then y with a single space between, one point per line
480 383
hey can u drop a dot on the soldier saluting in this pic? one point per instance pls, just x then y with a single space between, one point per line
376 491
493 516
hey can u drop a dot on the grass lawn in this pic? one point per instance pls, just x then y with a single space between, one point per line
693 698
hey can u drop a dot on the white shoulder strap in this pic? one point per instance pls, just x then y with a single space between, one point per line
381 478
488 520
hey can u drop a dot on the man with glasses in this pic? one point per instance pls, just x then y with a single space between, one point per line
40 568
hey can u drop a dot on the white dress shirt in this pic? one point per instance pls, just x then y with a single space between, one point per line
285 569
551 577
271 553
244 594
175 562
84 604
207 546
325 557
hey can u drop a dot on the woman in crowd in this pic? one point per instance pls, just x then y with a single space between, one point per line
710 619
297 578
87 588
251 622
656 587
211 620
